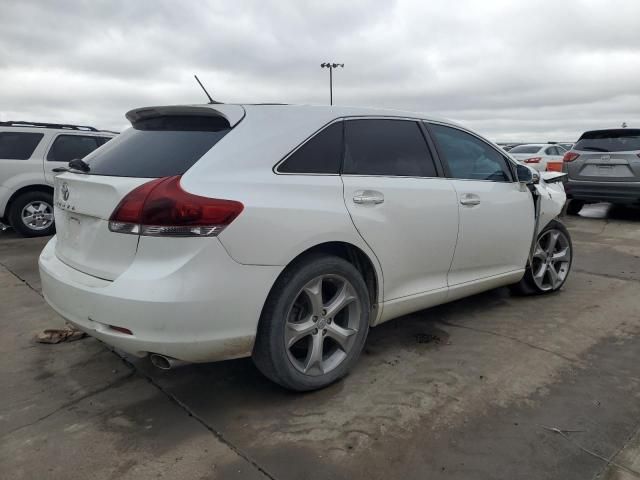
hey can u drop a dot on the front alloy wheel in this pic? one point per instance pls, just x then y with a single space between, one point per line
550 263
551 260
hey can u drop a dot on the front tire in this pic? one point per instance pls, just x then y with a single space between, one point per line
551 262
31 214
314 323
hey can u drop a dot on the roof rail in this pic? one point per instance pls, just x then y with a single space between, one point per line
59 126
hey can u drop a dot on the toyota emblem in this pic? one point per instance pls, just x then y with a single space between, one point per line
65 191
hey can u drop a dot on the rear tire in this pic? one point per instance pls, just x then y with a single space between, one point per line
574 207
552 260
314 323
31 214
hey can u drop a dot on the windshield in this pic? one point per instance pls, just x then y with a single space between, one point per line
622 140
525 149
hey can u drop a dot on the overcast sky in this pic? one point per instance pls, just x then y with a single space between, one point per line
512 70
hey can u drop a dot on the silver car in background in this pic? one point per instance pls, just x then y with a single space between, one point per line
603 166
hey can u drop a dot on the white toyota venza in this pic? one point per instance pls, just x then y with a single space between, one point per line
284 232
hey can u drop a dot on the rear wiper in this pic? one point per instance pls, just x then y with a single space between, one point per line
77 164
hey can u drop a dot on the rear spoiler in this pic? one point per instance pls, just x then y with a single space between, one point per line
231 113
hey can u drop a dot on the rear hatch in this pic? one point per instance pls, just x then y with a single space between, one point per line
606 156
163 142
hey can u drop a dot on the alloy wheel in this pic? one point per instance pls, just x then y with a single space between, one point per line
37 215
551 260
321 325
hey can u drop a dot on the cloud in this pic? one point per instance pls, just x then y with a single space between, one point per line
511 70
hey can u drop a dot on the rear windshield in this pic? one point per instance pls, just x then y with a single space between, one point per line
609 141
158 147
525 149
18 145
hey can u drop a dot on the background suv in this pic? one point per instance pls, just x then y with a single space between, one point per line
603 166
28 154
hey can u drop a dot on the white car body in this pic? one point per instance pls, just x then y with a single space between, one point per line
36 172
199 299
538 155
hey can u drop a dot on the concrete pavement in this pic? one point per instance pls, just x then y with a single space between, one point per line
471 389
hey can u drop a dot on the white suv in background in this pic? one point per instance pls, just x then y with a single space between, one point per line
284 232
28 154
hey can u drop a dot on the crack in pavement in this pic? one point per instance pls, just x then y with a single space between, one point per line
515 339
21 279
606 275
183 406
71 403
134 371
610 462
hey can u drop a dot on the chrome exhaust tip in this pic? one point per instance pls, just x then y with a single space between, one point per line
165 363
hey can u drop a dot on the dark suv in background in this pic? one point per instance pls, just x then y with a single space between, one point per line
603 166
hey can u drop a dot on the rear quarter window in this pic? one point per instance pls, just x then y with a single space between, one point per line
18 145
321 154
158 147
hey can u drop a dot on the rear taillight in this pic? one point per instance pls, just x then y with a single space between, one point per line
533 160
162 208
570 157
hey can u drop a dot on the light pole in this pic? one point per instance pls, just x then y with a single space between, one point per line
331 66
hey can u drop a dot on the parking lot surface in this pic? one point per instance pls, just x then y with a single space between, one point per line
492 386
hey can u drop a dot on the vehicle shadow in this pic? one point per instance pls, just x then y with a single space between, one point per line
610 212
219 389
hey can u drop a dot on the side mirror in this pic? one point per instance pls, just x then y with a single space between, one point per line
526 175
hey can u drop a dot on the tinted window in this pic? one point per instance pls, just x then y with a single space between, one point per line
386 147
622 140
104 140
551 151
525 149
68 147
320 154
469 157
18 145
158 147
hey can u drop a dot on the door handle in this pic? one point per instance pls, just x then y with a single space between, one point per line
469 199
368 197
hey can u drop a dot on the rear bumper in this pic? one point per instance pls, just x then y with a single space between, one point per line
198 307
615 192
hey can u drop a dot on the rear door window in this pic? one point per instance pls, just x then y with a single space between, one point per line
158 147
388 148
620 140
321 154
468 157
18 145
69 147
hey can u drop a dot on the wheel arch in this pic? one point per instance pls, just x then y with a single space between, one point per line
359 259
